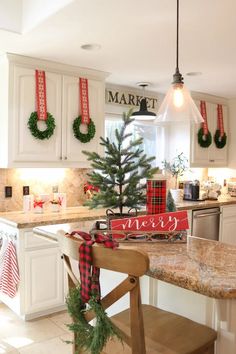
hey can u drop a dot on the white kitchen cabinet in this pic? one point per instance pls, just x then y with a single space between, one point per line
41 287
72 147
24 146
211 156
18 148
182 137
43 279
228 224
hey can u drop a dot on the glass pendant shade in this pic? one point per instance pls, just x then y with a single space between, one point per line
178 106
143 113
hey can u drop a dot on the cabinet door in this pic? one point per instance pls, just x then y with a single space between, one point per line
228 225
211 156
218 157
72 147
24 146
44 286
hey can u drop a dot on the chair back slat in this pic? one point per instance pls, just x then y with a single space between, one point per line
126 260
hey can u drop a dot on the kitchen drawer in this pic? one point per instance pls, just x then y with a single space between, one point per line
33 241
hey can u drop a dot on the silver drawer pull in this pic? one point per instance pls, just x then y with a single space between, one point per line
205 215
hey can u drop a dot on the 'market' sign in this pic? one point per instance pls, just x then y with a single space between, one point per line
125 98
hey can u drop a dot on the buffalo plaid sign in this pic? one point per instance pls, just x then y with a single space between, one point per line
156 196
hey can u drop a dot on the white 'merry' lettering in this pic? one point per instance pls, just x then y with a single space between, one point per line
169 224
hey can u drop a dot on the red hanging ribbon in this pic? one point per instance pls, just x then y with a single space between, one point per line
204 116
220 121
84 100
41 99
89 276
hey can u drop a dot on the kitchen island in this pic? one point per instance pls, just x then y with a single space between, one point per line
206 269
202 266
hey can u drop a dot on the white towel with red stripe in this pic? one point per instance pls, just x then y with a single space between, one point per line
9 278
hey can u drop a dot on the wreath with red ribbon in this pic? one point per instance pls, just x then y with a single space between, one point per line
36 132
204 140
204 135
220 138
84 138
41 113
84 118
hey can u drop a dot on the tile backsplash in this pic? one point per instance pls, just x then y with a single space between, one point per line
41 181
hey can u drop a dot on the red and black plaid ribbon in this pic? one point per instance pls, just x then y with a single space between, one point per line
89 275
156 196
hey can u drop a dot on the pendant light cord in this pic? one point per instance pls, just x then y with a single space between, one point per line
177 77
177 37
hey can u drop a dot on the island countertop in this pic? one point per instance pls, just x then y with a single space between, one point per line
204 266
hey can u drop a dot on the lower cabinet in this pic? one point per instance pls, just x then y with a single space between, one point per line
228 224
44 286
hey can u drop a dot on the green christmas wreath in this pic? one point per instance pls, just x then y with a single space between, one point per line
84 138
87 337
41 134
220 141
204 140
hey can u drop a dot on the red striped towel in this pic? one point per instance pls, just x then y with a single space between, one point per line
10 272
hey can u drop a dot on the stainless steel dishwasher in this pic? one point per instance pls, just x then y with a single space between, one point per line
206 223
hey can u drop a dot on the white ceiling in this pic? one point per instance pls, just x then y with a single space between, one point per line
137 39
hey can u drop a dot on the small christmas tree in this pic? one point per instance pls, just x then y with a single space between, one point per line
170 204
119 172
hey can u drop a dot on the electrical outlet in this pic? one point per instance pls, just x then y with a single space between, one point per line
26 190
54 189
8 191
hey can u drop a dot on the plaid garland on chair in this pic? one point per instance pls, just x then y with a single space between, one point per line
89 275
156 196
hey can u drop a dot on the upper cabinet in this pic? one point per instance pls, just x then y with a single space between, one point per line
18 148
211 156
183 137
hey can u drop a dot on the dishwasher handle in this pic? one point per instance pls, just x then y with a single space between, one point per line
204 215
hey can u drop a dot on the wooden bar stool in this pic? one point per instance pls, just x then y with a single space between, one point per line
165 332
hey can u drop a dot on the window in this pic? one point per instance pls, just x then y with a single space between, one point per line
153 136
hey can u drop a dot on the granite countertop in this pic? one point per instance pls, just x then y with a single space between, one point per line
23 220
222 200
76 214
204 266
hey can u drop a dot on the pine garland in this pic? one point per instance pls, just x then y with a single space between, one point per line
41 134
87 337
84 138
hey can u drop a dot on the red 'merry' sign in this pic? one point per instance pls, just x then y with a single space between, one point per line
166 222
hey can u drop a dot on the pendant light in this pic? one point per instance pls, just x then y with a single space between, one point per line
143 113
178 104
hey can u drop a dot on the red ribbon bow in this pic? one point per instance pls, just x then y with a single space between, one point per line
90 187
89 276
38 203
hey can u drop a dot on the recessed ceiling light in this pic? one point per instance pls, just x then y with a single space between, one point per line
194 73
91 46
